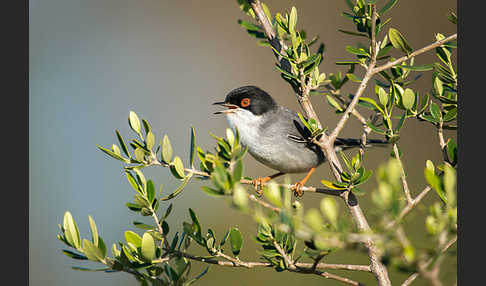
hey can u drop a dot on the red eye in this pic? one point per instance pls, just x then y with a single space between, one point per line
245 102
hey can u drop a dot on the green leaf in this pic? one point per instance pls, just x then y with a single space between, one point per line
452 151
387 6
353 77
139 154
142 225
94 231
166 150
74 255
78 268
353 33
240 197
150 140
369 100
398 41
408 98
400 123
238 171
193 148
92 252
134 122
434 181
249 26
331 185
134 207
150 192
133 238
272 194
438 86
329 208
71 231
236 240
292 19
453 18
179 189
212 192
435 111
146 126
286 72
334 103
148 247
122 144
357 51
304 122
198 276
450 115
177 168
382 95
113 154
134 183
417 68
195 222
314 220
375 128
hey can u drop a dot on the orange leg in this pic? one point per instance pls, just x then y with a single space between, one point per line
258 182
299 185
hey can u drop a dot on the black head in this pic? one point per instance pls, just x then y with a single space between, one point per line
250 98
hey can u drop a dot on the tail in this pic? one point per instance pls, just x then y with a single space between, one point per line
348 143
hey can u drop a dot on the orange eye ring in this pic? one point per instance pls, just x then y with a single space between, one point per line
245 102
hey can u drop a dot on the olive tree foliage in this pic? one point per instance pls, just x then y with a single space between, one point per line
291 237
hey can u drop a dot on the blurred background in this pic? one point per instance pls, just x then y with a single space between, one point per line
93 61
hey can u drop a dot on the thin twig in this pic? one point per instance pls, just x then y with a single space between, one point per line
415 53
288 261
199 173
232 262
263 204
294 268
414 276
344 118
403 177
409 207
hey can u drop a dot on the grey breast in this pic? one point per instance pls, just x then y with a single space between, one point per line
282 153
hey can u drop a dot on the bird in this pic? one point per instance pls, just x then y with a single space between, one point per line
275 135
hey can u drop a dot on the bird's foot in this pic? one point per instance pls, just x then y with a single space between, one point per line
298 189
257 183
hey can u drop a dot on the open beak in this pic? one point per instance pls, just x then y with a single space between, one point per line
231 107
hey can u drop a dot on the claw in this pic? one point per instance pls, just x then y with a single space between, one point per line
257 184
298 192
298 187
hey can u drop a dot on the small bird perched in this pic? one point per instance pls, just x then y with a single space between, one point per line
275 135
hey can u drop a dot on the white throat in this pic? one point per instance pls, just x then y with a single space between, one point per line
247 124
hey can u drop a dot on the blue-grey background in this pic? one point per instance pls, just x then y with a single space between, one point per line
93 61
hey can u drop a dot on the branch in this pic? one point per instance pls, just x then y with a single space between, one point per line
294 268
443 145
199 173
414 276
232 262
263 204
402 175
416 53
410 206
